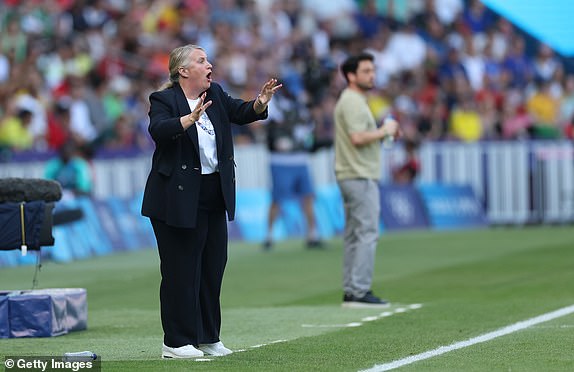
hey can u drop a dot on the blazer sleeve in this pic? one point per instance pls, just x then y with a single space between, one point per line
239 111
164 125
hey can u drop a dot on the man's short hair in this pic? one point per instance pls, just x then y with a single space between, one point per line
351 64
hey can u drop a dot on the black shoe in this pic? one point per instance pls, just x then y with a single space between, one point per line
369 300
314 244
267 245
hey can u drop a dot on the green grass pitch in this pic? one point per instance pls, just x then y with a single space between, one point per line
283 308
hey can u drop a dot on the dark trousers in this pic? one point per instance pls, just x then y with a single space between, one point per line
192 262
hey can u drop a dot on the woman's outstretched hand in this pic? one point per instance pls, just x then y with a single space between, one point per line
267 92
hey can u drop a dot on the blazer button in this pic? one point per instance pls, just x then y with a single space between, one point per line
184 166
180 188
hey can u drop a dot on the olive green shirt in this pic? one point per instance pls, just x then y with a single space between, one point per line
352 114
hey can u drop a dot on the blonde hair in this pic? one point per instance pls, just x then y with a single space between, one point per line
179 57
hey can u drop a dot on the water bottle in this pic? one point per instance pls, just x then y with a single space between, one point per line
389 139
81 356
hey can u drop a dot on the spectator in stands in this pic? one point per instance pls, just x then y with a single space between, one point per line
477 17
370 20
465 122
127 41
123 136
432 125
80 121
474 64
545 64
518 64
71 170
489 114
13 40
289 140
358 169
544 110
495 77
407 47
408 171
515 120
433 32
59 131
29 99
190 188
452 73
447 10
14 129
95 98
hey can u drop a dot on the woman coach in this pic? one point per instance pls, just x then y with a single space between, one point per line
189 191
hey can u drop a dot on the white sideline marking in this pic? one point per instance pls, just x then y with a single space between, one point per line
369 318
269 343
366 319
352 324
473 341
259 345
555 327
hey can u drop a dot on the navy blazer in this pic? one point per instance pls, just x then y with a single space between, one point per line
172 189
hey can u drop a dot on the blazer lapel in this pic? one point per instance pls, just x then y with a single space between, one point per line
215 118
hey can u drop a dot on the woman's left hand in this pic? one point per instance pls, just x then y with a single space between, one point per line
267 91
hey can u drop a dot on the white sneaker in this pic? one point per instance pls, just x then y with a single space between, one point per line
216 349
183 352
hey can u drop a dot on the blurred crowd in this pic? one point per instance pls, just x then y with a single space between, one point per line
81 71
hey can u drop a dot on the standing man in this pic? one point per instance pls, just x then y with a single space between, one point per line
358 170
290 140
189 191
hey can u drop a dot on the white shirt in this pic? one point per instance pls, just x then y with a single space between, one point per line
206 137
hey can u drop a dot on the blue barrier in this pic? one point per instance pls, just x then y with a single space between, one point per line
253 209
452 206
115 224
251 215
329 210
126 223
402 208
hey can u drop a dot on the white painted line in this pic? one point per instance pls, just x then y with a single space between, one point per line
369 318
277 341
555 327
352 324
366 319
269 343
473 341
260 345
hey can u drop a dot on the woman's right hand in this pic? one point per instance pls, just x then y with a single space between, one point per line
188 120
